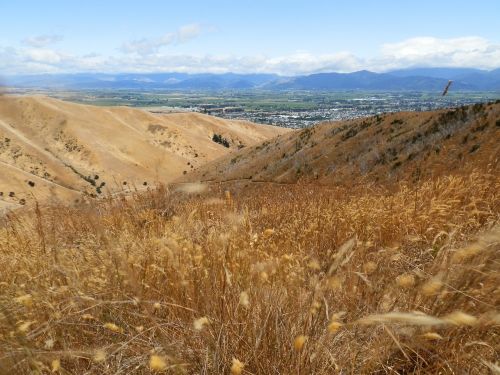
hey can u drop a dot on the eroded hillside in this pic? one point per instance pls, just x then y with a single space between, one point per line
383 148
51 149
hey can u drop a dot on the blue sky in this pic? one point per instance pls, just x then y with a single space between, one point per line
287 37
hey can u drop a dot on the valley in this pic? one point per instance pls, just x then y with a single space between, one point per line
249 187
51 149
366 245
291 109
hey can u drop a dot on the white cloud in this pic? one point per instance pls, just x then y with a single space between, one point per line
43 55
42 40
422 51
147 46
305 62
455 52
188 32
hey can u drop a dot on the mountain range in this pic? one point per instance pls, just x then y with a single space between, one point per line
415 79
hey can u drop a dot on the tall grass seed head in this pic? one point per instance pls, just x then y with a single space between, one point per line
26 300
431 336
200 323
299 342
157 363
334 326
237 367
369 267
113 327
99 356
244 299
55 365
432 287
460 318
405 280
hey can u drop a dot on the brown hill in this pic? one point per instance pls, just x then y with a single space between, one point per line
55 149
381 148
273 278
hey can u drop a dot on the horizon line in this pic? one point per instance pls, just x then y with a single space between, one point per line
246 73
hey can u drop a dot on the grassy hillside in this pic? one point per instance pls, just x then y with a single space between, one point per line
55 149
383 149
235 277
373 282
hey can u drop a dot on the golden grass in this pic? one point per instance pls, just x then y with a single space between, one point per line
266 280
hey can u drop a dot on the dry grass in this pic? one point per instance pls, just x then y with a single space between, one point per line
272 279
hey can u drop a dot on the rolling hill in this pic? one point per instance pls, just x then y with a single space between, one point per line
55 149
382 148
384 261
342 275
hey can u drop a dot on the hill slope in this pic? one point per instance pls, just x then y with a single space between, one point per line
270 278
53 148
379 148
295 279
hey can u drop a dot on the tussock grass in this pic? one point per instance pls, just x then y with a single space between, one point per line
297 279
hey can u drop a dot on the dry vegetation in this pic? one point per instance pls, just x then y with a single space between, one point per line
52 149
380 148
271 279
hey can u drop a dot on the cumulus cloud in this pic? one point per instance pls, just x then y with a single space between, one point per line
45 60
306 62
149 46
43 55
421 51
42 40
455 52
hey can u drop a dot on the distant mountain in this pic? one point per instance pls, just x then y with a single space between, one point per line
475 78
178 81
415 79
484 80
445 73
364 80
